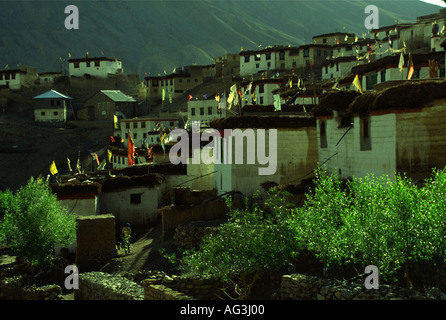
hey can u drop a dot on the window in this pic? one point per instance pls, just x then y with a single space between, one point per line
365 134
246 58
135 198
306 53
257 57
55 113
171 82
261 100
371 80
282 55
323 133
135 136
192 111
76 64
209 110
171 123
97 63
42 113
416 73
268 56
155 83
337 66
294 63
257 65
52 103
127 125
319 52
143 125
261 88
58 102
324 40
201 111
383 76
326 69
282 65
88 64
135 125
268 64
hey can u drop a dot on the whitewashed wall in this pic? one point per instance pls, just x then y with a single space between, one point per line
350 161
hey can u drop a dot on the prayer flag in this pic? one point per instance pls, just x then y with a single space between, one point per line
411 69
190 97
109 153
357 83
97 159
102 165
277 103
69 164
53 168
130 151
401 63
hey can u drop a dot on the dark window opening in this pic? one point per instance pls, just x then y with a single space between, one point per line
135 198
365 143
323 133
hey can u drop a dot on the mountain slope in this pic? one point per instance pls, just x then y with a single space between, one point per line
153 36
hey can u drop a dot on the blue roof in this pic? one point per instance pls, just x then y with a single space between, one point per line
52 94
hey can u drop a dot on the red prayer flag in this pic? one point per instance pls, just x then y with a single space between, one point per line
131 151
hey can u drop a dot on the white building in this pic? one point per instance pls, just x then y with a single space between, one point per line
292 155
99 67
51 106
204 111
399 131
15 79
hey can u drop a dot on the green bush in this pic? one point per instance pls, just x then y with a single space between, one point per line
253 241
35 222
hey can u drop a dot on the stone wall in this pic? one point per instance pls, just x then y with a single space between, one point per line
104 286
190 235
182 288
302 287
96 241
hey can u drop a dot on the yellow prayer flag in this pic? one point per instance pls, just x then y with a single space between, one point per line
53 168
109 155
357 83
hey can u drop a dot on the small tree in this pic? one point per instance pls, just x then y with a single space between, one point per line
255 240
35 222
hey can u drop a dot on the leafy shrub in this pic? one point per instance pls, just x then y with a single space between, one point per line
253 241
35 222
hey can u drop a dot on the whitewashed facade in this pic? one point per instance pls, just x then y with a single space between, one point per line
99 67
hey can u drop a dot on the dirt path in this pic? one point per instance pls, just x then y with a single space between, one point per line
144 253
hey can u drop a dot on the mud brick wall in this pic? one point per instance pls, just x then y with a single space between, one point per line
96 241
173 216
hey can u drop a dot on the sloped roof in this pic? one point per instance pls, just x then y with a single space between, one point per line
117 96
52 94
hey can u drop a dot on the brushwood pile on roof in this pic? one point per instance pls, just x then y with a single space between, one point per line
262 122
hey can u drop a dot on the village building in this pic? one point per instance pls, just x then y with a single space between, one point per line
131 195
98 67
334 38
174 85
51 107
145 129
261 91
387 69
395 130
338 67
227 65
106 104
204 111
15 79
295 150
48 78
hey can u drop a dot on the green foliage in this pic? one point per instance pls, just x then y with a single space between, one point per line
372 220
35 222
5 202
254 240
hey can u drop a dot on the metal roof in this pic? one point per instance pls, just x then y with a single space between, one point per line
118 96
52 94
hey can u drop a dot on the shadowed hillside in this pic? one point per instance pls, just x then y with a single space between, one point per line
153 36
